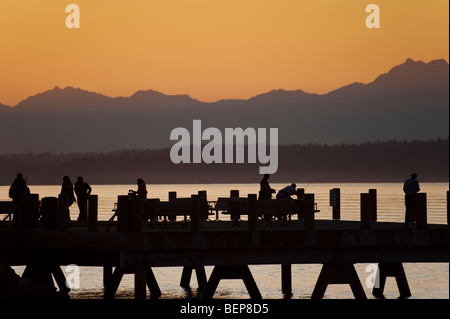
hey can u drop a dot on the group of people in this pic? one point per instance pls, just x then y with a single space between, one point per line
266 191
410 188
81 189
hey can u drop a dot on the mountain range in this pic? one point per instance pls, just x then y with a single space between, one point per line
409 102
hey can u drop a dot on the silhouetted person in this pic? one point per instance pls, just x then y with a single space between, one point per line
265 191
17 190
142 189
287 192
411 188
82 190
67 191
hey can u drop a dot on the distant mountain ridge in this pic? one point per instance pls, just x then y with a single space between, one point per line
409 102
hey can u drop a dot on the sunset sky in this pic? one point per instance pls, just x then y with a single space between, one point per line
211 49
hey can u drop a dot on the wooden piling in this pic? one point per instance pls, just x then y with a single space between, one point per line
135 214
204 209
234 193
234 214
21 218
421 210
123 212
172 196
448 202
252 212
300 203
195 213
63 213
335 202
373 204
140 280
92 213
286 279
365 211
28 211
309 208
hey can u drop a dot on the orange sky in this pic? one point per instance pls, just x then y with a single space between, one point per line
211 49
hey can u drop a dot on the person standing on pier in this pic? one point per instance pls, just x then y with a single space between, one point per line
411 188
67 191
265 191
82 190
18 188
142 189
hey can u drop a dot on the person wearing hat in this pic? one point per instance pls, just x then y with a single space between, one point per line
411 188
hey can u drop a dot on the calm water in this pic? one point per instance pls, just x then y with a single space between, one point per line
425 280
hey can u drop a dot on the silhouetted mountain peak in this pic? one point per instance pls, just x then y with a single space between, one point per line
280 95
60 99
151 95
413 73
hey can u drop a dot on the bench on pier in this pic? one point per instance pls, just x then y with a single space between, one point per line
6 208
154 209
280 208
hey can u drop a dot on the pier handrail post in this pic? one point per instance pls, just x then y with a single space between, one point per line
373 204
421 210
335 202
252 212
195 213
365 211
92 213
309 207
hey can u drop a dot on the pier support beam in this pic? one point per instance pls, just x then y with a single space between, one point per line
286 280
391 270
231 272
338 274
187 274
143 276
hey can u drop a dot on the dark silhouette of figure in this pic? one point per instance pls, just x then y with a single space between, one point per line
142 189
411 188
17 190
67 191
82 190
265 191
288 191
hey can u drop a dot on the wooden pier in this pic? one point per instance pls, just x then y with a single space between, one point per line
131 245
